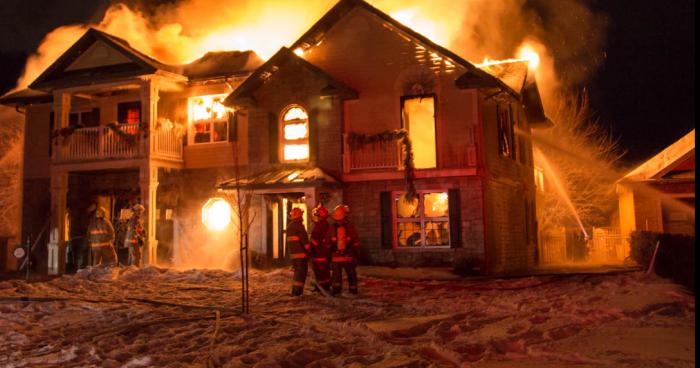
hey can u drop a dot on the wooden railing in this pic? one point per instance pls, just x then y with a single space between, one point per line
168 143
382 155
103 143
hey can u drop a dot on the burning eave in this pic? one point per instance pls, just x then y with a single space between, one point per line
25 97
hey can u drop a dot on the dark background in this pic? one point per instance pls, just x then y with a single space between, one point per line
644 90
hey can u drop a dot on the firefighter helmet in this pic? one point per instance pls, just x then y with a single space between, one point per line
138 208
296 213
321 212
340 212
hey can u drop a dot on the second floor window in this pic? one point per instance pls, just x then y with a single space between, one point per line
506 134
294 134
418 117
129 113
208 119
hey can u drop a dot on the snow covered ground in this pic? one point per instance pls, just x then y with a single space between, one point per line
128 317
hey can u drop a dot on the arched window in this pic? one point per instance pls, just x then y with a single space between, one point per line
294 134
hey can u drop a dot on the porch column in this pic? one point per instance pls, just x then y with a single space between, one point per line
61 116
57 228
149 115
148 180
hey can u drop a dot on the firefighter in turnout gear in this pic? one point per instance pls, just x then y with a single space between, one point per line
320 250
134 237
299 249
101 239
345 250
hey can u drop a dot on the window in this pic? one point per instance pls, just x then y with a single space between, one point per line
423 222
505 131
295 134
129 113
208 119
84 119
418 117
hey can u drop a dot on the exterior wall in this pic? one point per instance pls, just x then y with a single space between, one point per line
362 52
37 138
509 194
294 84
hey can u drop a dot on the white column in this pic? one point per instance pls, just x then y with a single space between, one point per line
148 180
149 115
61 118
57 241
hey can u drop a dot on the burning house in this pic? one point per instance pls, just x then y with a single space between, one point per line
427 149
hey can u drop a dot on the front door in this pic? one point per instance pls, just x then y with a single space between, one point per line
278 215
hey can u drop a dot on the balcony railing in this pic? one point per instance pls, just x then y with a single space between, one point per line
381 155
121 142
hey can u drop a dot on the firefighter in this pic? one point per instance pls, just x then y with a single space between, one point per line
101 239
345 250
320 249
134 237
299 249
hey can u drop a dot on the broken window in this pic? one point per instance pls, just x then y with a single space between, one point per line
422 222
295 134
505 131
208 119
418 118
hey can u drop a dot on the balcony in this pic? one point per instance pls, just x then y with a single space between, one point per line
120 142
381 155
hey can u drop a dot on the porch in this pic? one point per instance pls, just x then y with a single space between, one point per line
118 141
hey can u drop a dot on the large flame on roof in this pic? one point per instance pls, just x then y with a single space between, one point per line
182 31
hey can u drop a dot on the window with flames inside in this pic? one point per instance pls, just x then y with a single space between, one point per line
208 119
295 134
423 222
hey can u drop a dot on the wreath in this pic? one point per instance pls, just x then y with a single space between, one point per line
355 140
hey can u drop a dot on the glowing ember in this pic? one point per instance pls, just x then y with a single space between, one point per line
216 214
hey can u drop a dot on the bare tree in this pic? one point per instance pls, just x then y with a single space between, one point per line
11 137
582 155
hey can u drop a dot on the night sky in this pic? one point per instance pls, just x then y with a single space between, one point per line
644 90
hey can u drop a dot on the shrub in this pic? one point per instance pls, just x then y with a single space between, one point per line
675 258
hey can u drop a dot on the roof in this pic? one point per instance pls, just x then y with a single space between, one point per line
343 7
516 74
666 160
142 63
24 97
222 64
282 177
244 93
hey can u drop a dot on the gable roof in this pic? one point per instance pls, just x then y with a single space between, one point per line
666 160
314 35
243 95
56 74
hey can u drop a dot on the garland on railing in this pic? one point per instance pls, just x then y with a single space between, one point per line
63 133
355 140
127 137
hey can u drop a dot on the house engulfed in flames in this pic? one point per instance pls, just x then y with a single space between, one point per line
322 121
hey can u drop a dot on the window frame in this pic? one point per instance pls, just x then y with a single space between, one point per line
508 132
432 95
282 141
421 219
191 133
